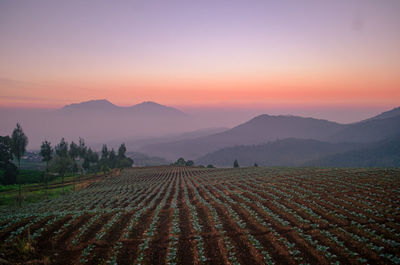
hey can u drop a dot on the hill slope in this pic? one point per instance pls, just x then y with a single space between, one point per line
261 129
387 114
368 131
99 121
382 154
287 152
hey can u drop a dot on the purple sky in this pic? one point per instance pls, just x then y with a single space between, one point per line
201 53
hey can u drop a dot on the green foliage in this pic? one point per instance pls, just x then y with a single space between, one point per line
180 162
19 142
104 152
255 165
210 166
112 159
5 150
62 148
189 163
121 151
125 162
104 168
25 176
10 170
73 150
10 174
60 164
82 148
46 151
235 163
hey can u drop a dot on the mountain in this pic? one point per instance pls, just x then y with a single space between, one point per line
105 106
92 105
97 121
385 153
261 129
135 144
287 152
387 114
368 131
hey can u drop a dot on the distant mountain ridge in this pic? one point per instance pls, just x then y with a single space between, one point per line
287 152
266 128
99 121
385 153
387 114
103 105
261 129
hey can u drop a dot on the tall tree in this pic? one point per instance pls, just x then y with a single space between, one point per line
121 151
104 152
10 170
62 148
62 161
5 150
73 150
235 163
46 151
112 159
74 154
82 148
19 143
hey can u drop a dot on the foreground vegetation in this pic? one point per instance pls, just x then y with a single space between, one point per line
189 215
34 190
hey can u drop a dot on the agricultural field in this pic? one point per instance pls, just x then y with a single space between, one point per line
189 215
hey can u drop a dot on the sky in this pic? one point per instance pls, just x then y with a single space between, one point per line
299 54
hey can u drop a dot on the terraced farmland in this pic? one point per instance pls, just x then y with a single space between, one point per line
183 215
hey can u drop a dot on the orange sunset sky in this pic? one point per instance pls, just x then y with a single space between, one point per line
200 53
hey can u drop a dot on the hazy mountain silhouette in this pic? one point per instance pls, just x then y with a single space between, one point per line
136 144
287 152
261 129
385 153
97 121
105 106
387 114
371 130
266 128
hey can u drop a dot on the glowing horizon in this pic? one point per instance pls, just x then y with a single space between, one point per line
207 53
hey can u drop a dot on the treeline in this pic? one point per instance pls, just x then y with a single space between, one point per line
63 158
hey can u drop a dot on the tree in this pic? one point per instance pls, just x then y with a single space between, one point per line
74 154
73 150
104 152
19 143
90 159
125 162
235 163
112 159
62 161
82 148
10 170
46 151
255 165
122 160
5 151
210 166
62 148
10 174
189 163
122 151
180 162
